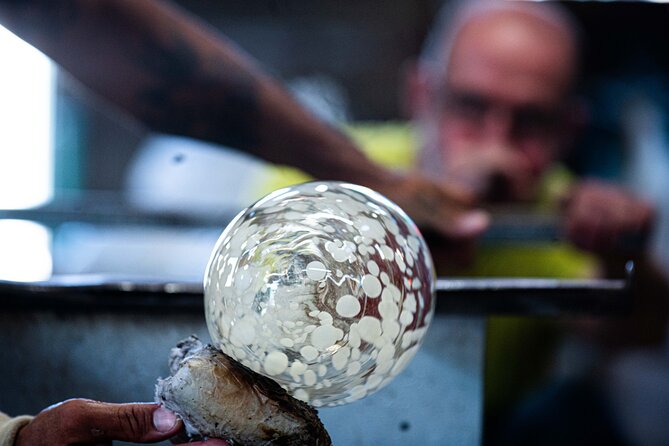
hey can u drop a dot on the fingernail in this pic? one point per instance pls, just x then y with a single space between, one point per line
163 419
473 222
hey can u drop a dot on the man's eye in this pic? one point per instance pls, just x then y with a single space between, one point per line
469 106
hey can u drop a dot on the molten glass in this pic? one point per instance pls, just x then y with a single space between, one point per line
326 287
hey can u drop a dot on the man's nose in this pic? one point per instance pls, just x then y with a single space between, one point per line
498 126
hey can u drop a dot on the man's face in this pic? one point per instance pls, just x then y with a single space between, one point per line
505 90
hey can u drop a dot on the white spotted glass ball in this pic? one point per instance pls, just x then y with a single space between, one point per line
326 287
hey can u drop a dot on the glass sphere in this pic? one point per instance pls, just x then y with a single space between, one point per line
326 287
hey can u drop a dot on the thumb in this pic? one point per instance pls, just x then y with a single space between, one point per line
463 224
470 224
144 423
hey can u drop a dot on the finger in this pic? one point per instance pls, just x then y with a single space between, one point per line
455 192
128 422
457 222
590 230
443 208
467 225
577 221
638 227
627 223
604 237
457 219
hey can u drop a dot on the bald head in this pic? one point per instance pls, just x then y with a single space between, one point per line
533 17
520 47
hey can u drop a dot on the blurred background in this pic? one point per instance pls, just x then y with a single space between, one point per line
85 189
346 61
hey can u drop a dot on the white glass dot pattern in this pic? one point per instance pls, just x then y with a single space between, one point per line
326 287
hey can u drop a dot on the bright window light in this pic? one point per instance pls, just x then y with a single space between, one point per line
26 251
26 124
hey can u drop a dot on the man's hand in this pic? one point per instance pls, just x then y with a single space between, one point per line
439 207
84 422
606 220
493 174
445 214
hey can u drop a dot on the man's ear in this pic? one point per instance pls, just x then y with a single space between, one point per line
414 95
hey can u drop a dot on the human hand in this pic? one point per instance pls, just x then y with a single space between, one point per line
606 220
445 214
492 173
83 422
440 207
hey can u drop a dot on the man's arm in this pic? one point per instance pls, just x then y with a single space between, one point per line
177 75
